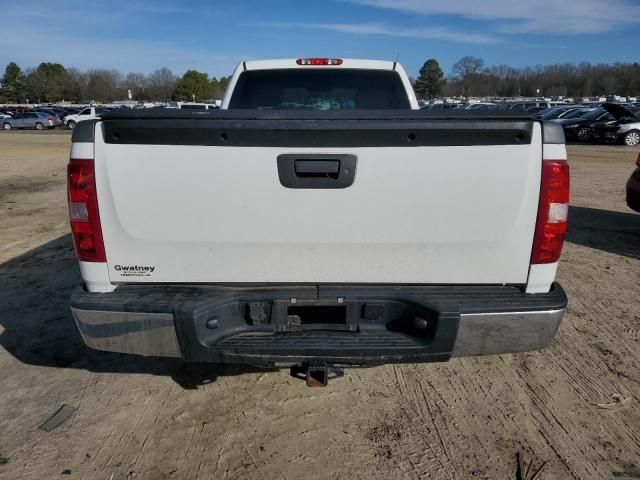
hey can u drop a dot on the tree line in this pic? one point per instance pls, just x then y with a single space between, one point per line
52 82
470 77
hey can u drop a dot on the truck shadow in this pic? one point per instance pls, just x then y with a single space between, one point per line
37 328
606 230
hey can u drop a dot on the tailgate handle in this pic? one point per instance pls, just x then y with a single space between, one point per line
316 170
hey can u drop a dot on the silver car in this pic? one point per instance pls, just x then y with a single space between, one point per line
37 120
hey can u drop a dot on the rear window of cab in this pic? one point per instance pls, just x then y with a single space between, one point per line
322 89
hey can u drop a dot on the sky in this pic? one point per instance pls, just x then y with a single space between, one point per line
214 36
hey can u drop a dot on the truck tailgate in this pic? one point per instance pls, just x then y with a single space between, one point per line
431 206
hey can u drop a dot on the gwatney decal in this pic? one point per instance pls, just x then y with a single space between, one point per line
135 270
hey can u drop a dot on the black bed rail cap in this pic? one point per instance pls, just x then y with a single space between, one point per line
218 114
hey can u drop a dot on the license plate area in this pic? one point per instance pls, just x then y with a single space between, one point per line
314 315
317 317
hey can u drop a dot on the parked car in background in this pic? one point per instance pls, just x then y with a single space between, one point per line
37 120
526 105
558 112
480 106
60 114
439 107
584 129
633 188
579 124
60 110
4 114
21 109
629 134
195 106
85 114
625 127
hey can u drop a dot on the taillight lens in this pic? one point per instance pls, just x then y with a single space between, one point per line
319 61
638 160
553 208
83 211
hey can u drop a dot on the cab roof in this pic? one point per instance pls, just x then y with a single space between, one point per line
346 63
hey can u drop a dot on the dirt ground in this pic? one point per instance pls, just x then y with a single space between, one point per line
140 418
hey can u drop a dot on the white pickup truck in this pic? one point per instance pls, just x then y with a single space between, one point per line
88 113
318 219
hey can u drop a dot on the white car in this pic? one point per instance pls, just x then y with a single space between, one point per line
625 129
85 114
629 134
318 219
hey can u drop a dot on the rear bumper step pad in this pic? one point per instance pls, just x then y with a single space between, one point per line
280 324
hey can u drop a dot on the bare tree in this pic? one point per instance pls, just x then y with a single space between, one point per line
103 85
76 85
465 71
162 84
467 66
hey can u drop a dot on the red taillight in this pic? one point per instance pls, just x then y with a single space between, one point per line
638 160
551 223
319 61
83 211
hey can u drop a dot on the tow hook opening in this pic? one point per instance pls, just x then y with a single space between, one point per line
316 375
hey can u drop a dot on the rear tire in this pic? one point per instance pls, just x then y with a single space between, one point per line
584 134
7 126
39 126
71 124
631 138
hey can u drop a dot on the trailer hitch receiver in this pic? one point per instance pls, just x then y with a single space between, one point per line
316 375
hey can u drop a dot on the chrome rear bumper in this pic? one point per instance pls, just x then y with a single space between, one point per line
463 326
491 333
149 334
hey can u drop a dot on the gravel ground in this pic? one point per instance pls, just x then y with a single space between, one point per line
572 408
